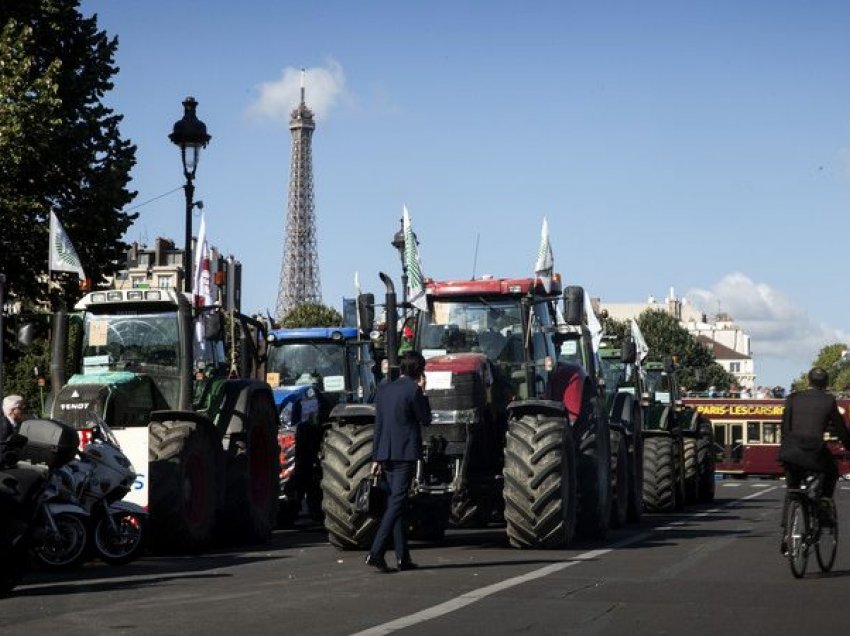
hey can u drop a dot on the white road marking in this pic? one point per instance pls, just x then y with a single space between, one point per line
731 485
476 595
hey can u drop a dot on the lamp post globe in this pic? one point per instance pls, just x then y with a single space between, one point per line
190 135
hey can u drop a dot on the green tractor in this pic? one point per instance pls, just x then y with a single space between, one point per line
200 429
626 404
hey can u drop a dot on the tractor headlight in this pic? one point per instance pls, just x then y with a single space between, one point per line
460 416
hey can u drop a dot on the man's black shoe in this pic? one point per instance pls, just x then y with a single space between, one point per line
379 563
406 565
783 547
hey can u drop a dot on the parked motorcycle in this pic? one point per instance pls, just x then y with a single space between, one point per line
27 461
118 527
86 512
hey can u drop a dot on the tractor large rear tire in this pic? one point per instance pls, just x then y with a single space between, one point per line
691 470
621 483
660 484
346 459
539 482
594 482
252 473
183 458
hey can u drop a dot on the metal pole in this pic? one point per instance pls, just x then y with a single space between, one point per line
189 189
2 328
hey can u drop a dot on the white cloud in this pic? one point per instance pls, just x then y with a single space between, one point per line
777 327
324 89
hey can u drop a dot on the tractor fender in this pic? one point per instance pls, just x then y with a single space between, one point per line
238 396
353 413
547 408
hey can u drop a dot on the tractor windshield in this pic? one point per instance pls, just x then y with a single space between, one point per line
614 373
136 342
321 363
659 386
491 327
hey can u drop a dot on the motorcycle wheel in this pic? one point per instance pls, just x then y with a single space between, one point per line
67 548
121 544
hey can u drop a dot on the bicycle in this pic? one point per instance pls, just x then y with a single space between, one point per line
810 522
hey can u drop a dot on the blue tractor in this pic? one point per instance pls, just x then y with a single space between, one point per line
311 370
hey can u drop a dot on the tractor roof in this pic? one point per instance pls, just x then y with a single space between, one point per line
313 334
492 287
116 298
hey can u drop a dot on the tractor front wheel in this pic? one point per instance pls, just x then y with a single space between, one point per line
182 457
346 459
539 482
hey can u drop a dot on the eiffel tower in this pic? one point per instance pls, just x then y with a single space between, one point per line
299 271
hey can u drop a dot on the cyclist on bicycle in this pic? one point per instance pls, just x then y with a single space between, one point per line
807 416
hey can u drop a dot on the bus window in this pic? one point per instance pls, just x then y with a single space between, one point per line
771 432
753 432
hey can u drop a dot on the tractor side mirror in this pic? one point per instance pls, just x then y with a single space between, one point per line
366 309
574 305
213 327
628 352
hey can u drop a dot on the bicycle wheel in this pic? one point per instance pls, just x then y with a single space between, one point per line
827 545
798 530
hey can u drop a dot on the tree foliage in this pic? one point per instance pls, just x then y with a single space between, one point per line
665 336
312 315
834 359
60 146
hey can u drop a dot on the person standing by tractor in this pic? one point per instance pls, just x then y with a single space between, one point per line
401 409
807 416
13 415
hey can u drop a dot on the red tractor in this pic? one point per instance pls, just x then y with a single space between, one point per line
513 429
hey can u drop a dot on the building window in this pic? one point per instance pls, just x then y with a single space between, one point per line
139 281
734 367
164 282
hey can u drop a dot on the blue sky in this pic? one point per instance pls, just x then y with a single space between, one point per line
695 145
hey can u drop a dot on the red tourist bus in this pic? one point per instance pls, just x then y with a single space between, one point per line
747 434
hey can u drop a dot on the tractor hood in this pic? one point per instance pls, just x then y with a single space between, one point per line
122 397
284 395
458 363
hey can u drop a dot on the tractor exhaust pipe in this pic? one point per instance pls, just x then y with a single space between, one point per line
57 350
392 326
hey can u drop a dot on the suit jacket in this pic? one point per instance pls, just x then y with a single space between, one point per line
807 416
7 427
401 410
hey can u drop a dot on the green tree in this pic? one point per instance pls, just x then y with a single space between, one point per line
60 146
312 315
665 336
834 359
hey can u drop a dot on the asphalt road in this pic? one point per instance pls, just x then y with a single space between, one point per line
711 569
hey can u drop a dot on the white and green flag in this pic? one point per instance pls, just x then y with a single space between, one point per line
63 256
545 265
593 324
415 282
640 343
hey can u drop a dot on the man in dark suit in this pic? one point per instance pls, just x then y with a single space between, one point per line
807 416
401 410
13 415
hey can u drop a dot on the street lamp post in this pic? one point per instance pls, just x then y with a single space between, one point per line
2 311
190 135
